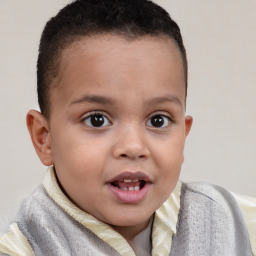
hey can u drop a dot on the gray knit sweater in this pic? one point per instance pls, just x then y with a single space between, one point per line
210 224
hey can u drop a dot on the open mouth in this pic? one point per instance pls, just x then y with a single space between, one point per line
129 184
130 188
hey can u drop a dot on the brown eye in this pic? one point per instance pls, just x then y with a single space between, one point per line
158 121
97 121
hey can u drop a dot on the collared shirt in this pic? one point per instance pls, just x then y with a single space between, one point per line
163 227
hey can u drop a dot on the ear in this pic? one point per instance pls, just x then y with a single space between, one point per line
39 132
188 124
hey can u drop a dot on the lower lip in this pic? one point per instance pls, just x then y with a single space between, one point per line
129 197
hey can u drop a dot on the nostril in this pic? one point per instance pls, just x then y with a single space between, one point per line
125 156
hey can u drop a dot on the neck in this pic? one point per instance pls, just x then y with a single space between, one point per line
129 232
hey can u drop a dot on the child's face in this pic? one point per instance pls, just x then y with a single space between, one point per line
117 127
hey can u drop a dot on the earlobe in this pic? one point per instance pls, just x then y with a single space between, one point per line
188 124
39 132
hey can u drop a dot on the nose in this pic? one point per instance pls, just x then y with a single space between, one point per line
131 144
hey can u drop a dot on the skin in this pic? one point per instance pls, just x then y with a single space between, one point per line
130 81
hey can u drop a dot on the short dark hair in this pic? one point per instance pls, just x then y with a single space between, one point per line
85 18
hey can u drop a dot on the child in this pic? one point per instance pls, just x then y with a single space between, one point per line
112 83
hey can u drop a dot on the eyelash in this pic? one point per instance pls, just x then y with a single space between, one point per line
162 122
166 120
88 119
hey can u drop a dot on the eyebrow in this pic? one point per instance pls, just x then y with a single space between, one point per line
159 100
94 99
103 100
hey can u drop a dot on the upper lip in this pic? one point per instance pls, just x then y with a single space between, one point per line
131 176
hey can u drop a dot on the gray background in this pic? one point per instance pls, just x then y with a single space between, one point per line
220 37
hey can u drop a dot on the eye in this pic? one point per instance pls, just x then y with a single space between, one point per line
97 120
158 121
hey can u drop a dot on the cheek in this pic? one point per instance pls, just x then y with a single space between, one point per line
170 151
169 158
77 153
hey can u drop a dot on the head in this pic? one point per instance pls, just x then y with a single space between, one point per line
112 81
130 19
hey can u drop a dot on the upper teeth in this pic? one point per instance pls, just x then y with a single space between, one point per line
128 180
137 188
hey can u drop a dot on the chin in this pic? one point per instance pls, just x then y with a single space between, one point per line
128 218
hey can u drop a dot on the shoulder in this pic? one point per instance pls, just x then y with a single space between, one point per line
208 192
38 199
215 199
220 196
248 208
240 209
14 242
213 202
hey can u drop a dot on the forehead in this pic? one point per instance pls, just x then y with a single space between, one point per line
105 63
